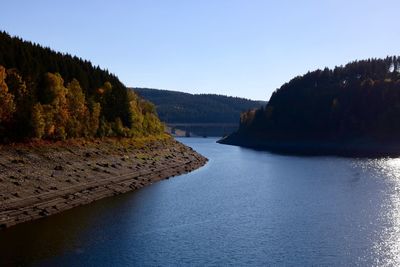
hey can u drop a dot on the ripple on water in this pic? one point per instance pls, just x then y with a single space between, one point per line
245 207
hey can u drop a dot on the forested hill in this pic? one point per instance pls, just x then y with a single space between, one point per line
359 101
179 107
49 95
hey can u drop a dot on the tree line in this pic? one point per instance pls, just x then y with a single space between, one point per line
49 95
358 100
179 107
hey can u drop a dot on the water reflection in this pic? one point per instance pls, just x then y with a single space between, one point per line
32 242
244 208
384 226
388 248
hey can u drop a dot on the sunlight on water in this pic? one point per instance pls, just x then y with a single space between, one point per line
387 247
244 208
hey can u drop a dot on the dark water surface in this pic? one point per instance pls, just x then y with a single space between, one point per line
245 207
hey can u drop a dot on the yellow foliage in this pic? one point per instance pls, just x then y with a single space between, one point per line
16 85
7 106
62 112
94 119
38 122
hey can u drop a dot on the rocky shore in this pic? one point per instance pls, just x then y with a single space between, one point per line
38 180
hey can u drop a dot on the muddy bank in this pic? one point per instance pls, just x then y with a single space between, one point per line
37 180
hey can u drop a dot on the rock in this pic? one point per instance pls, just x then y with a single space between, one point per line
58 168
105 165
15 161
44 213
96 169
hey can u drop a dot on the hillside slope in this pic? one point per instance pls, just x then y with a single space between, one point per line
49 95
72 133
179 107
352 109
198 114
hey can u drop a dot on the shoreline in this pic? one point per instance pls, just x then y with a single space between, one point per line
39 180
355 148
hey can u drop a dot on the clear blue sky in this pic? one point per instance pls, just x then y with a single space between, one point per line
242 48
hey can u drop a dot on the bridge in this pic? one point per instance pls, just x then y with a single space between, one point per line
202 129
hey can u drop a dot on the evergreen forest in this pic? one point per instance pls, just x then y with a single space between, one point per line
179 107
360 100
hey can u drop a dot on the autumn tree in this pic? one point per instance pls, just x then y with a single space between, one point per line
55 108
24 101
94 120
136 114
38 121
78 113
7 105
50 95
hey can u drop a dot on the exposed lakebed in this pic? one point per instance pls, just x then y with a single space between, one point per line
245 207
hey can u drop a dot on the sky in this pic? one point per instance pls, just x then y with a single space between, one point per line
245 48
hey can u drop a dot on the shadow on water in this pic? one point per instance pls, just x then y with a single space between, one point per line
32 242
245 207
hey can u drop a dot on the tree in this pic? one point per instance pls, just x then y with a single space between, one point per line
50 95
136 114
38 122
77 110
7 105
17 86
56 105
94 119
24 101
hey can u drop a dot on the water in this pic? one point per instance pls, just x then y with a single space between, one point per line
244 208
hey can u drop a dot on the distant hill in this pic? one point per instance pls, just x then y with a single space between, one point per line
179 107
352 109
198 114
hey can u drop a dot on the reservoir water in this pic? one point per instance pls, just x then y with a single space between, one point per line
244 208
